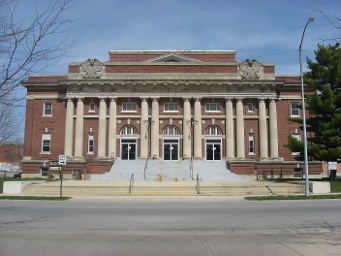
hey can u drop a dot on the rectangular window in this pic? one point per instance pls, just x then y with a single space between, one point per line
298 137
92 106
250 107
46 143
91 143
171 107
47 109
129 106
294 109
212 107
251 144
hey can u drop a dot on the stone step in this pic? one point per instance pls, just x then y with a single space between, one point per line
163 190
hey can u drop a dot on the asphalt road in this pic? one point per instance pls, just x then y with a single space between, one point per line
243 228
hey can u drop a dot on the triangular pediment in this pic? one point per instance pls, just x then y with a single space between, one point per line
173 58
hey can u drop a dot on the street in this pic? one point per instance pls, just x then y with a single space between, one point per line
235 228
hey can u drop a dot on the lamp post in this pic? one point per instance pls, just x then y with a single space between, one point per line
311 19
191 123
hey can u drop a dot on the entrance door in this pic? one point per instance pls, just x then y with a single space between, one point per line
213 150
170 150
128 149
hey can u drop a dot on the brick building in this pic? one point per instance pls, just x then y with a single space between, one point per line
166 106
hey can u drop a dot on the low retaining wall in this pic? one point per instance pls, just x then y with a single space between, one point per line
16 187
317 187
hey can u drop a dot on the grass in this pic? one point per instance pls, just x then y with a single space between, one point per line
292 197
40 198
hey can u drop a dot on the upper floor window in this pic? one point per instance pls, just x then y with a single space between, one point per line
128 130
250 107
213 130
171 107
294 109
46 143
171 130
92 106
129 106
47 109
212 107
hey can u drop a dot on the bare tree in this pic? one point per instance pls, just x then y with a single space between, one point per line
11 125
333 18
30 46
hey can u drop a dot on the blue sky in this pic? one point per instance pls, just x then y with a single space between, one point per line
266 30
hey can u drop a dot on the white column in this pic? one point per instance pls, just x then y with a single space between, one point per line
144 135
240 130
197 130
69 128
229 138
273 129
155 128
186 136
112 128
79 128
102 128
263 135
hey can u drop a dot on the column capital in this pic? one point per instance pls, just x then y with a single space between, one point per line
186 99
198 99
155 99
80 99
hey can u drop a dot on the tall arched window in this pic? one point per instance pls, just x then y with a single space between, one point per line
128 130
171 130
213 131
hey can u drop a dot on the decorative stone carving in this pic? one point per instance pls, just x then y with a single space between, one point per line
250 69
92 68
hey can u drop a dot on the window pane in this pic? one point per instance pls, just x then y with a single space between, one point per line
47 109
251 143
46 143
295 111
212 107
171 106
129 106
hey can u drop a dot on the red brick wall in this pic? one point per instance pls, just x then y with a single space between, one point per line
170 69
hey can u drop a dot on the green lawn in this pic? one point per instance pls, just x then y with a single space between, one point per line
40 198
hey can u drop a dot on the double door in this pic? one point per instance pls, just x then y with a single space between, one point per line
213 149
128 149
171 149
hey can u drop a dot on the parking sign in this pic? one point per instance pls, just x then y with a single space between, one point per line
62 160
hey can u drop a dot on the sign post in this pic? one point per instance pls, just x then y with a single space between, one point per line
61 162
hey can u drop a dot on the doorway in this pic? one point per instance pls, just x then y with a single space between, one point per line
171 149
128 149
213 149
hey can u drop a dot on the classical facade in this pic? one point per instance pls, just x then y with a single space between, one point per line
165 106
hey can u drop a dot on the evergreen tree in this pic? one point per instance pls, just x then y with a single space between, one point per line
324 106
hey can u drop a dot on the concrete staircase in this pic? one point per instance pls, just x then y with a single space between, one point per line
107 188
159 170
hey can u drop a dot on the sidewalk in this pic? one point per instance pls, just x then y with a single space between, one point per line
157 199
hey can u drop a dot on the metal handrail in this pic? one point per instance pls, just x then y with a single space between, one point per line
131 184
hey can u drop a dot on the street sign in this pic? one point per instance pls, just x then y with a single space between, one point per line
62 160
54 163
